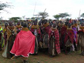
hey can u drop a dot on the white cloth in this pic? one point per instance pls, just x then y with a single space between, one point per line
4 54
78 27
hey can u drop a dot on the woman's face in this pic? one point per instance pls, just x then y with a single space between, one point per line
54 25
18 23
35 23
6 25
10 24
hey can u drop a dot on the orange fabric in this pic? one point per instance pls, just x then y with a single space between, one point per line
0 27
18 26
25 29
82 28
45 25
35 27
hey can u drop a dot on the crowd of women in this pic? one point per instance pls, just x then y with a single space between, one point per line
56 36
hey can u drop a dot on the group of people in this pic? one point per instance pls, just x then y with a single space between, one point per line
27 38
19 41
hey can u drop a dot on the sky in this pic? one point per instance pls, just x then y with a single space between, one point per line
28 8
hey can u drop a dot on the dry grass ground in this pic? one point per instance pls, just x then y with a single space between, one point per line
72 57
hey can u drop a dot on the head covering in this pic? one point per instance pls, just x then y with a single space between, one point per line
40 22
54 26
18 23
21 23
66 23
10 23
53 21
82 24
44 21
70 21
24 25
6 24
35 22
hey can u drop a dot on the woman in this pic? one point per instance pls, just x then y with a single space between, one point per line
74 27
24 44
81 38
5 33
18 27
44 33
63 32
11 33
1 38
69 38
54 45
36 31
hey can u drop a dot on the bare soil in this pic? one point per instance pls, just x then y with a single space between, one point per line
43 57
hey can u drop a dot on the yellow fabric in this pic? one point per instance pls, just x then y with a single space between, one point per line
4 30
45 25
69 29
81 27
75 25
59 24
35 26
1 29
9 28
25 29
18 26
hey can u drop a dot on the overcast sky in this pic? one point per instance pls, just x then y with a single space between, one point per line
26 7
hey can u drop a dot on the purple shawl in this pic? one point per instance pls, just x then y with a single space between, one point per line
75 33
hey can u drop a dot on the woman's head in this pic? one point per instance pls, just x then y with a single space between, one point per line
10 23
6 24
54 25
18 23
24 25
35 22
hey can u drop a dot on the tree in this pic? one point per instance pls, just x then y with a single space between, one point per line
3 6
15 19
28 18
62 15
43 14
1 18
33 18
82 15
57 17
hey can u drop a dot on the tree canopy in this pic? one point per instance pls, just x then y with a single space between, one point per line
56 16
15 19
43 14
33 18
62 15
82 15
3 6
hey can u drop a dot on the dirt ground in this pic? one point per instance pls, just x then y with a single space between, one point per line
43 57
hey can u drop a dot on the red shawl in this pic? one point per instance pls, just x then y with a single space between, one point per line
24 44
56 32
38 30
63 30
70 34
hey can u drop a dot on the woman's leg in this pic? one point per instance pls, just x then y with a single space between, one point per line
75 46
13 57
25 60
